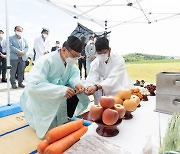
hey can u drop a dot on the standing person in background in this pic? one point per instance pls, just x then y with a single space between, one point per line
82 59
18 49
56 47
90 52
2 57
41 44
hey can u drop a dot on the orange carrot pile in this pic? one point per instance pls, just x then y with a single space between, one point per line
60 138
65 143
42 146
63 130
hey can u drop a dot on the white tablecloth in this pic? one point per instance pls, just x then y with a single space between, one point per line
135 133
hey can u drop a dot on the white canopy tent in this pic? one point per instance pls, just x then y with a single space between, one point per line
112 13
99 15
137 24
146 26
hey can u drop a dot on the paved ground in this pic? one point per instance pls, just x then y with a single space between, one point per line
14 94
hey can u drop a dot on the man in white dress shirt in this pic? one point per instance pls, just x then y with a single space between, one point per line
42 45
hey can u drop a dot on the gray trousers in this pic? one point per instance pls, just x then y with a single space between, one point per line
17 69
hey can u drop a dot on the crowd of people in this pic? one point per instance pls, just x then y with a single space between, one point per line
54 90
18 54
19 60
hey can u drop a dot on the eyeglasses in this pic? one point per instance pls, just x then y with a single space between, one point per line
70 51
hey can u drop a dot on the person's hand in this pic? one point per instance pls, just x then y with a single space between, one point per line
92 57
3 56
46 52
69 93
81 57
90 90
79 88
20 53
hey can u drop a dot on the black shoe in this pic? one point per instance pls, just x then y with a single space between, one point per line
14 86
4 80
21 85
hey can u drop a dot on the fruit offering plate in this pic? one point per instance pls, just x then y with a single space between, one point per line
107 130
102 129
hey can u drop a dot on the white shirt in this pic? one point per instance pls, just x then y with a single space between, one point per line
90 50
41 47
111 76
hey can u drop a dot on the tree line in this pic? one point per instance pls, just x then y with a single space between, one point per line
133 57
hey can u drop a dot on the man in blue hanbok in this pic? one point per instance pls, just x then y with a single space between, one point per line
53 89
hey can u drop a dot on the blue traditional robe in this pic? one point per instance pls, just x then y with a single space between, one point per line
43 99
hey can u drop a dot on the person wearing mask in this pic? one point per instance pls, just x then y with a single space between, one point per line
82 58
18 50
90 52
2 57
107 73
56 47
54 91
41 45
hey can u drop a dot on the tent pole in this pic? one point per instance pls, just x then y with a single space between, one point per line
7 53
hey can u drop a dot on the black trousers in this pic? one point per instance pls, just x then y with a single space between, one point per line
80 63
3 67
71 105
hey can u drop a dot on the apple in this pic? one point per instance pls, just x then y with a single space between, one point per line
136 99
110 116
107 102
96 112
120 109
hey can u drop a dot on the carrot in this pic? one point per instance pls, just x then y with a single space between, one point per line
63 144
63 130
42 146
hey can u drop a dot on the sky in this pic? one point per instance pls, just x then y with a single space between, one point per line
160 38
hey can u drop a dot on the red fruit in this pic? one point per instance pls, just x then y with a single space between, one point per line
110 116
96 112
120 109
107 102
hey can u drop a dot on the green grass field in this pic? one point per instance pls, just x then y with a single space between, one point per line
147 70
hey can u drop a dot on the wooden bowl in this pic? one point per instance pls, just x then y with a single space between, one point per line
128 115
106 130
